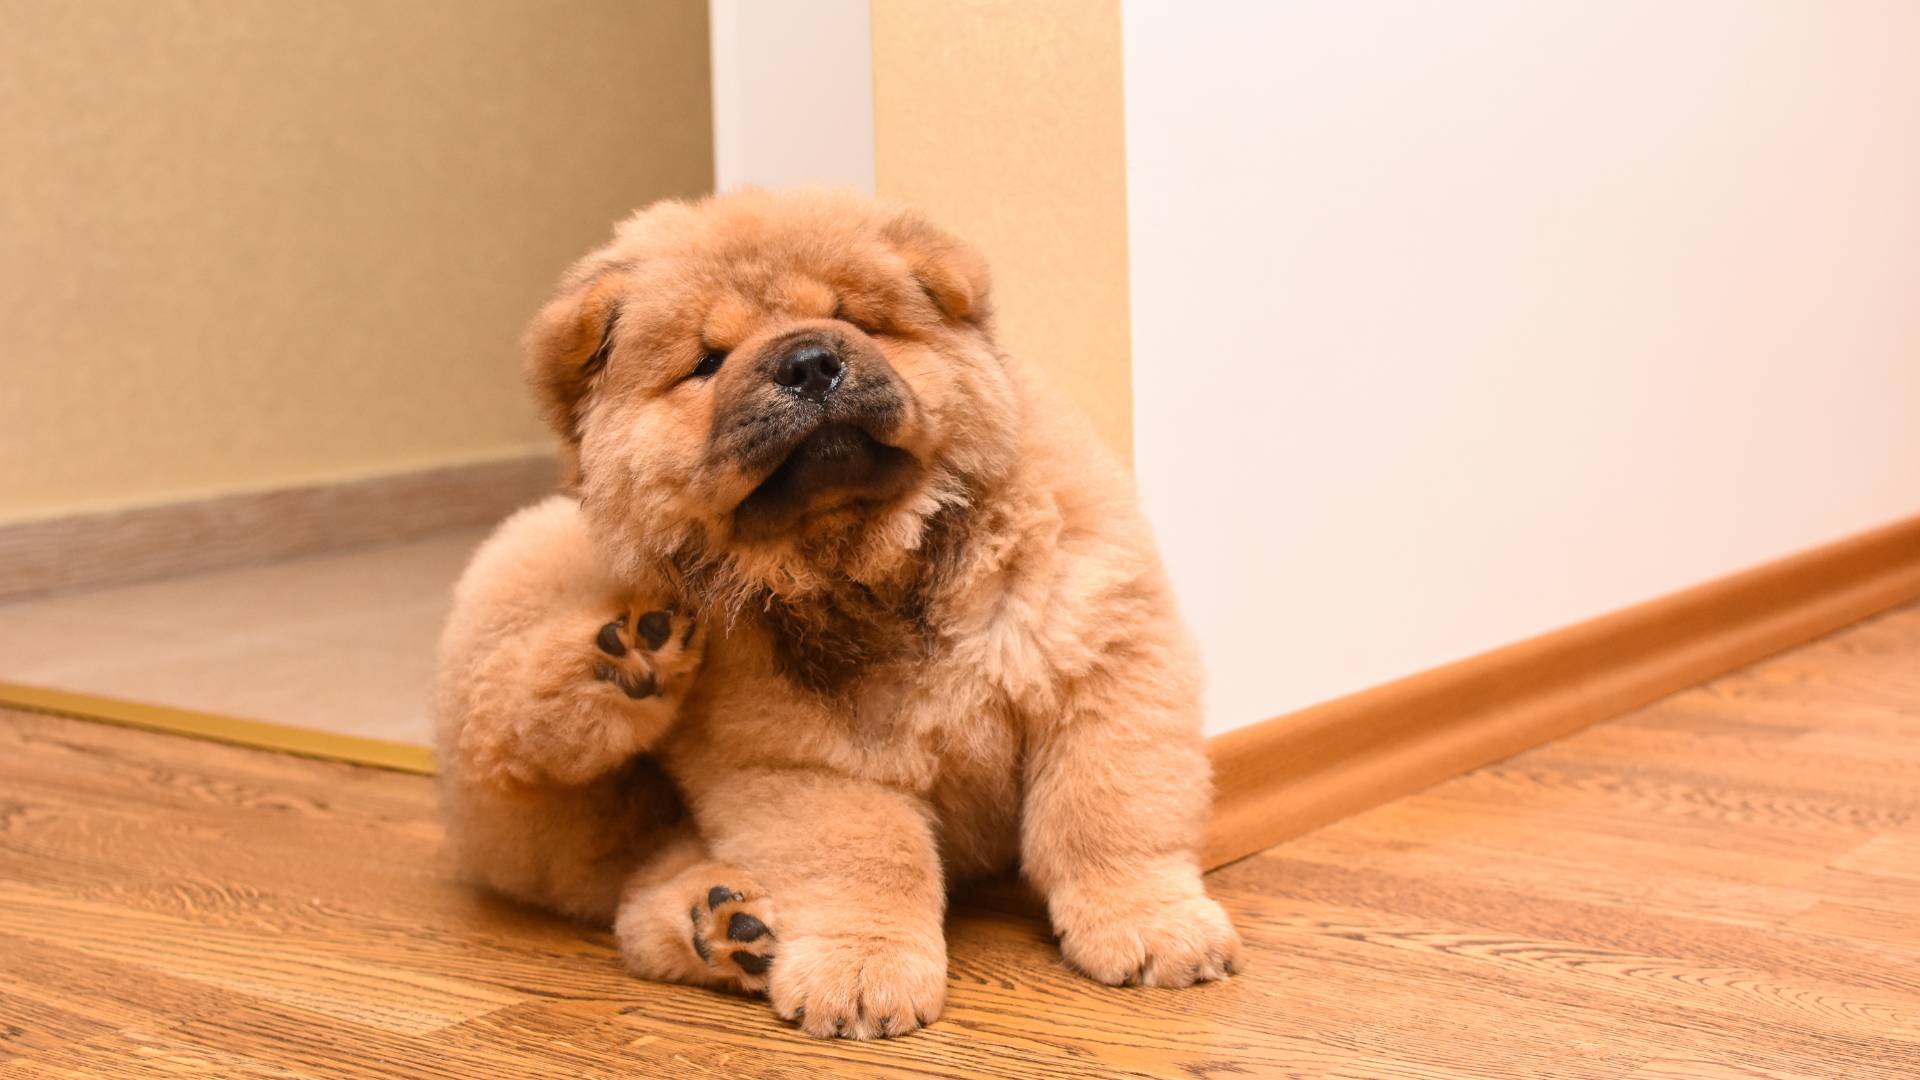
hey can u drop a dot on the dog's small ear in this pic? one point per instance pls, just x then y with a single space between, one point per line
567 344
952 274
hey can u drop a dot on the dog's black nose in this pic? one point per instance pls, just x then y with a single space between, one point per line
810 369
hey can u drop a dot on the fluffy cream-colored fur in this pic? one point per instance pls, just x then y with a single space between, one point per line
844 608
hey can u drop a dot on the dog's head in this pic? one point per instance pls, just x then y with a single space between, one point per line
765 393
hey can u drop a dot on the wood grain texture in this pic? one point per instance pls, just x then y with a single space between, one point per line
1726 884
138 544
1282 777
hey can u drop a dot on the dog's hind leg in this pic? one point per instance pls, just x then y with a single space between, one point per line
554 681
685 918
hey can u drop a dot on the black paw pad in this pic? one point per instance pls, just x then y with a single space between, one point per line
752 963
655 628
609 639
720 894
634 686
744 927
699 945
642 687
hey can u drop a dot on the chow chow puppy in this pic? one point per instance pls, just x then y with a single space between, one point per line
842 608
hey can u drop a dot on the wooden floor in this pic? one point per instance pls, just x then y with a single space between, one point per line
1724 885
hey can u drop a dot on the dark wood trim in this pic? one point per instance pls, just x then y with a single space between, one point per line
1282 777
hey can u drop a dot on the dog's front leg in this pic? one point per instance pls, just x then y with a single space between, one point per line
862 902
1117 796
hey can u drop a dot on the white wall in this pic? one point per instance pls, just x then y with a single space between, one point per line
792 93
1455 323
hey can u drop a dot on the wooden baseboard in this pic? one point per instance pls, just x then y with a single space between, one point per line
123 546
1282 777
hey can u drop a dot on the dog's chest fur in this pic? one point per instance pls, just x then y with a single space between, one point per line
910 714
964 746
908 685
835 644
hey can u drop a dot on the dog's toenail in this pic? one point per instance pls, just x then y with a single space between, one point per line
686 636
744 927
752 963
656 627
609 640
1227 967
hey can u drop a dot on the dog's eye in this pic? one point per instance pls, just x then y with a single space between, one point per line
710 362
862 325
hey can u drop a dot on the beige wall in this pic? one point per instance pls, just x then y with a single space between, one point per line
246 244
1003 120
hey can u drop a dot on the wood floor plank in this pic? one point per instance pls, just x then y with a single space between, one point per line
1464 900
343 979
1723 885
1784 822
1705 1069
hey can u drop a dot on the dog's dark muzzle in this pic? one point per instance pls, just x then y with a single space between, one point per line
811 423
800 385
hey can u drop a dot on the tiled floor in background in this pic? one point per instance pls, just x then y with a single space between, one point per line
340 642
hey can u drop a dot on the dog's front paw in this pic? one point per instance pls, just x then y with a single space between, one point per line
860 986
1146 936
